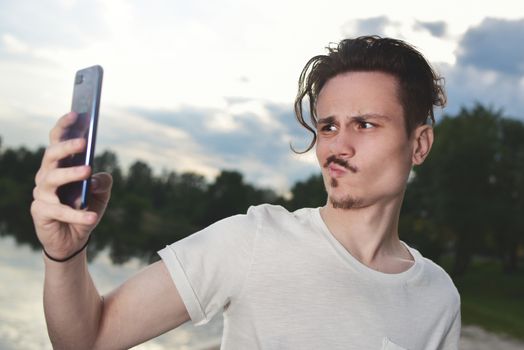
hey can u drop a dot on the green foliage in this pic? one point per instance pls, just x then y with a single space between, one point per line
229 195
470 190
17 170
308 193
491 299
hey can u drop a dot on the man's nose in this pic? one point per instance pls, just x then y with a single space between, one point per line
342 145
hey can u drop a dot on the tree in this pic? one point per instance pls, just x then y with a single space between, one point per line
307 193
459 182
18 168
139 179
227 196
108 162
507 185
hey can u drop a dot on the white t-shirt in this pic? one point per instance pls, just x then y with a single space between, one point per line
283 281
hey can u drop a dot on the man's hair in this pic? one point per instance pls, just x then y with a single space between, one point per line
420 88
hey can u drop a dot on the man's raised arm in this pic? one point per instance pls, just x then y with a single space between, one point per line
77 316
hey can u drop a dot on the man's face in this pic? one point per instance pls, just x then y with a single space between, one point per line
362 145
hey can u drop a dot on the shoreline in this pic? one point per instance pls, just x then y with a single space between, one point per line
476 338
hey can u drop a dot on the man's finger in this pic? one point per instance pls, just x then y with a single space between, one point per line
55 135
47 212
101 182
61 150
55 178
45 196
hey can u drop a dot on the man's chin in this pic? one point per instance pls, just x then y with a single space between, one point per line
347 202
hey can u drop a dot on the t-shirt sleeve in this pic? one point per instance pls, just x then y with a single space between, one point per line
451 341
209 267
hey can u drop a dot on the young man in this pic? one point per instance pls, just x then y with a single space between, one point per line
335 277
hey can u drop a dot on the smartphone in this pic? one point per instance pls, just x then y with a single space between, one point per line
86 103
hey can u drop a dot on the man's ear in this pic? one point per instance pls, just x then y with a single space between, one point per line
422 142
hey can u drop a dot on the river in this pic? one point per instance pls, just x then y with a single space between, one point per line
22 324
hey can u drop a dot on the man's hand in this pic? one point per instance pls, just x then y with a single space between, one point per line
61 229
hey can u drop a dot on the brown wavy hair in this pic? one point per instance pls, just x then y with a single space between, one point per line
420 87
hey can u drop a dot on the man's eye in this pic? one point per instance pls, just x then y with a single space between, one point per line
366 125
329 127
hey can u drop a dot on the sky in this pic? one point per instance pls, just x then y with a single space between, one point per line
209 85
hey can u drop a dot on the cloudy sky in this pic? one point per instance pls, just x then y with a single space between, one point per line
209 85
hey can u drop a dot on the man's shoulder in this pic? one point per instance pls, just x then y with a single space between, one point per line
440 281
277 213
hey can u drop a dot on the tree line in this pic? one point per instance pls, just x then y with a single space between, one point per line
466 201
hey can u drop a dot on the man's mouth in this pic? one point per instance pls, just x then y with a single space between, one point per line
338 167
336 170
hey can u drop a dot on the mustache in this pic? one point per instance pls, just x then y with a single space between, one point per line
342 162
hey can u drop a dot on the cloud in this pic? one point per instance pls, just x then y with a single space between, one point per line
24 127
12 45
256 140
489 68
467 85
367 26
495 44
256 143
437 29
375 25
58 23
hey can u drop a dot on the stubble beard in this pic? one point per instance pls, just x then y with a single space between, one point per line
346 203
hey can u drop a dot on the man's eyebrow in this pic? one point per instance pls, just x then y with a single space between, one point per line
326 120
331 119
371 115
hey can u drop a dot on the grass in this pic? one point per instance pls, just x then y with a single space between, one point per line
492 299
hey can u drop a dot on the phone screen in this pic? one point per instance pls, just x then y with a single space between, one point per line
86 103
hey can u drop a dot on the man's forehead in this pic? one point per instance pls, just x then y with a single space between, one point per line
360 95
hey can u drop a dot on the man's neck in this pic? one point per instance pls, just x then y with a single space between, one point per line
370 234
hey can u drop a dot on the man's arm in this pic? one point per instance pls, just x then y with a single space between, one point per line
452 338
77 316
145 306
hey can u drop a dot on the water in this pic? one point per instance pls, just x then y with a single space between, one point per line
22 324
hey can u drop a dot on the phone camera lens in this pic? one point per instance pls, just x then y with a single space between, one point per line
79 79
